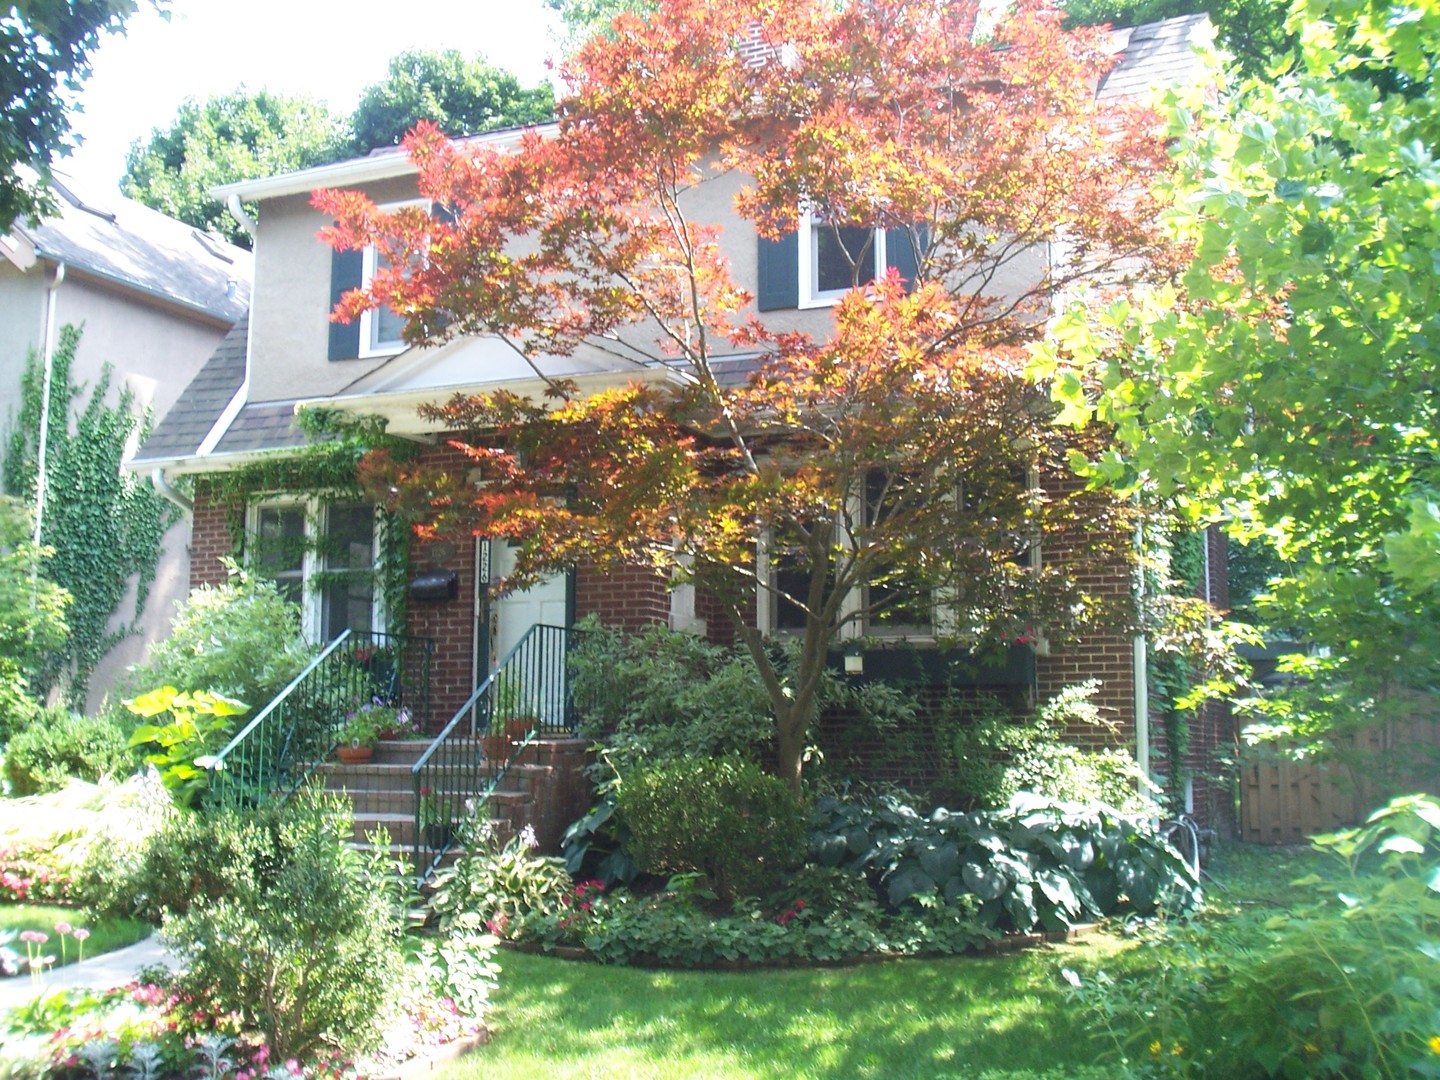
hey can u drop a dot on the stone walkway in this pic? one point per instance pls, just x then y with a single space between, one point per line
107 970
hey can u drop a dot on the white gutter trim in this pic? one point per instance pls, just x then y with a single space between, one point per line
224 420
244 220
1141 666
355 171
170 492
47 350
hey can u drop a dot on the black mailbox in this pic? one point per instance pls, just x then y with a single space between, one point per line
435 586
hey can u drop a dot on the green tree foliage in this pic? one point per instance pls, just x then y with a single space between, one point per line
104 524
46 47
234 136
462 97
586 18
1289 387
32 616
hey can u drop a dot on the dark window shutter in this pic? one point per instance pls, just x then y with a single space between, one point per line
779 280
900 245
347 269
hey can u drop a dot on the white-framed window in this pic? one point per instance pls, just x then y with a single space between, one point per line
836 258
323 556
381 330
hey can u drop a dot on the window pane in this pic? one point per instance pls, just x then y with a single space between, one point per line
280 549
386 328
348 592
892 606
835 254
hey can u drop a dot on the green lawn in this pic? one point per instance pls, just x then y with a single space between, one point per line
105 934
953 1017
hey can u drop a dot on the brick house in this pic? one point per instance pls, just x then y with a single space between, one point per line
241 409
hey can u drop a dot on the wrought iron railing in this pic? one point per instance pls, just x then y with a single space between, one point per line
272 755
527 695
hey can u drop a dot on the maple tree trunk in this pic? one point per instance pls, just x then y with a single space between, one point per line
790 747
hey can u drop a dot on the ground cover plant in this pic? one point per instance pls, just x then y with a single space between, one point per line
1338 978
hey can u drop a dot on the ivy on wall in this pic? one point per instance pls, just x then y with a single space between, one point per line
104 524
326 468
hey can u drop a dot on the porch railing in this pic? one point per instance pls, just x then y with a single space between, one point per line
529 694
272 755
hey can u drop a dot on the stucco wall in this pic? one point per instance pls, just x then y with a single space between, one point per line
154 350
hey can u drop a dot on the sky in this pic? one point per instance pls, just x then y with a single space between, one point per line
328 49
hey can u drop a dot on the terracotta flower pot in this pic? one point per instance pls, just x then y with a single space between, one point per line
354 755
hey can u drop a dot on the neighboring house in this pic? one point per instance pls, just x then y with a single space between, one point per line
242 407
154 297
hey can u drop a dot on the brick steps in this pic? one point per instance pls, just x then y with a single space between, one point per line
542 789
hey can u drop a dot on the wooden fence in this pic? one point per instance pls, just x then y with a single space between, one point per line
1283 802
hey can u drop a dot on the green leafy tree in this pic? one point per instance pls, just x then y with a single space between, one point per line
1289 386
104 524
231 137
462 97
32 616
46 47
585 18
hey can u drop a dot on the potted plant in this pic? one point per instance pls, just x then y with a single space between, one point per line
497 740
358 736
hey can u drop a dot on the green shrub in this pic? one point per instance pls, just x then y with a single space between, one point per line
183 731
59 745
722 818
1346 984
193 858
988 756
1036 863
240 640
304 943
698 700
502 884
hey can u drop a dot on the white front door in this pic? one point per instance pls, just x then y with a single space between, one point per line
512 614
534 683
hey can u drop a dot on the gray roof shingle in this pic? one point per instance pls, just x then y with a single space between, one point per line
106 234
184 427
266 425
1154 56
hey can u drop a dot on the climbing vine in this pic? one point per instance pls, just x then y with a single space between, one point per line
104 524
325 468
1192 656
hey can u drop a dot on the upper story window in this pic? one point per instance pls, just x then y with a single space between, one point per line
382 332
378 332
819 262
322 556
833 259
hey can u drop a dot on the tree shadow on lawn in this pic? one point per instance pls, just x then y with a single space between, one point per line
906 1018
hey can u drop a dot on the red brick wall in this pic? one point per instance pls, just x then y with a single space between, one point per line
629 598
210 538
450 624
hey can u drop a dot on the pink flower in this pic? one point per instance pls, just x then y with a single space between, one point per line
63 928
81 934
34 937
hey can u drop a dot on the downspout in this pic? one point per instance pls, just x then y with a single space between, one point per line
47 350
170 492
237 211
1141 666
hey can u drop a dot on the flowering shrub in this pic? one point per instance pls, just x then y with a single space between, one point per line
32 871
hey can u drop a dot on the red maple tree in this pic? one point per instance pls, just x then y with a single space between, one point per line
887 463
